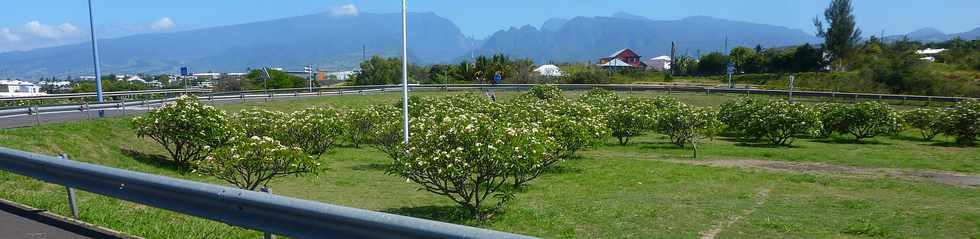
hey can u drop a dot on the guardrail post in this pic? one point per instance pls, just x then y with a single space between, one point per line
84 108
269 191
124 105
36 111
243 97
72 203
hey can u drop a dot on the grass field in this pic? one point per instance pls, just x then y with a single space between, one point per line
635 191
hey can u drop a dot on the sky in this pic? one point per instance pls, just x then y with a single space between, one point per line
43 23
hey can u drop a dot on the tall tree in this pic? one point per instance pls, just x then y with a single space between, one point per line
842 36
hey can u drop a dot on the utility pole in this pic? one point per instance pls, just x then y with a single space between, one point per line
95 57
405 69
673 52
730 67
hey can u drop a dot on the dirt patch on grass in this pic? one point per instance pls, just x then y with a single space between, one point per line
760 198
949 178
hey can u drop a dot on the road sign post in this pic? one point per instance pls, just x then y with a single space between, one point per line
792 83
731 71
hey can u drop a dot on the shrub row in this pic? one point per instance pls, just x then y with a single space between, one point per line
471 149
780 122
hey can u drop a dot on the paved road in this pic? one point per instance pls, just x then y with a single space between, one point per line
15 226
20 222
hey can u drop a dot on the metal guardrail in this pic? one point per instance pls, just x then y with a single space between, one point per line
106 94
251 95
253 210
325 91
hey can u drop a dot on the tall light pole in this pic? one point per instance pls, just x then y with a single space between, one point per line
405 69
95 57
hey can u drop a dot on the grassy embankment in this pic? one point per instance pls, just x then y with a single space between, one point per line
610 191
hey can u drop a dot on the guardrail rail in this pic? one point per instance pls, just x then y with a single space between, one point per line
247 209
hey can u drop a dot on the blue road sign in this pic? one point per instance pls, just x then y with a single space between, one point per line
731 68
497 78
183 71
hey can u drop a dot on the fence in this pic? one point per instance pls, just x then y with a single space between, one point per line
330 91
253 210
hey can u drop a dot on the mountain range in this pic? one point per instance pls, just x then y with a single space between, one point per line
935 35
340 42
583 39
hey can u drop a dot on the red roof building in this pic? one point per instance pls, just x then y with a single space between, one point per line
627 56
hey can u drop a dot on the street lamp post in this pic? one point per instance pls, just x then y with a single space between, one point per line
405 69
95 57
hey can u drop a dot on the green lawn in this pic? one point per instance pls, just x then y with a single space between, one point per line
610 192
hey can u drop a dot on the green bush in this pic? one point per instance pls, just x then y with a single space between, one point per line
776 120
600 99
385 132
259 122
589 76
545 92
628 118
468 156
929 122
832 116
313 129
684 124
250 162
737 115
862 120
359 123
573 126
187 129
963 122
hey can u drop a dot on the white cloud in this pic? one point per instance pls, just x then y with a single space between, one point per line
51 32
163 24
345 10
7 35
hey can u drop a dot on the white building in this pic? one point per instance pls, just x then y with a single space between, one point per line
56 84
929 54
660 63
16 88
929 51
341 75
155 84
130 78
549 70
212 75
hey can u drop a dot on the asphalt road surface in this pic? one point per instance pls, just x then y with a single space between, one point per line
21 222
